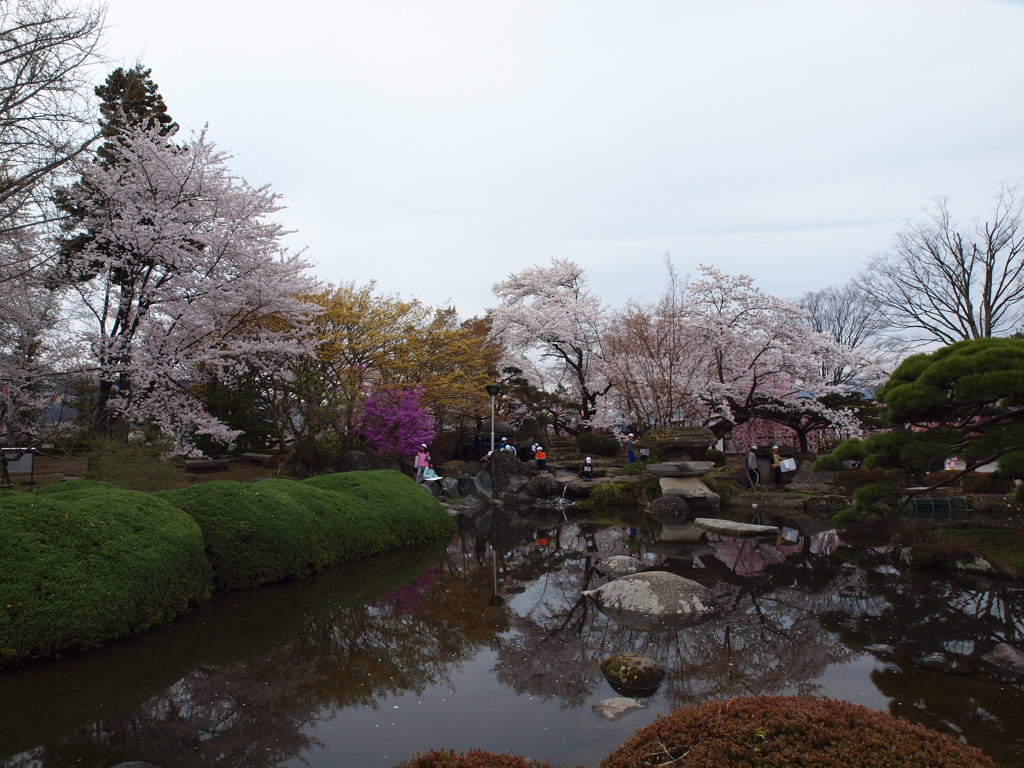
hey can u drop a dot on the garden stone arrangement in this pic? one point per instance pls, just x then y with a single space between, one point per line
681 472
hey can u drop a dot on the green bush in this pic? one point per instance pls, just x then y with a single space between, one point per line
715 455
722 487
137 466
258 533
849 479
86 562
596 444
610 496
785 732
849 515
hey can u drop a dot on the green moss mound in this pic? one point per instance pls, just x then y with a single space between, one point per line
784 732
474 758
87 562
258 533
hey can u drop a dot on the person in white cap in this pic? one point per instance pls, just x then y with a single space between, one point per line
630 450
776 465
421 462
587 471
541 456
753 474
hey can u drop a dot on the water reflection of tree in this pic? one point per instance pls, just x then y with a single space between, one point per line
784 604
919 614
765 640
256 713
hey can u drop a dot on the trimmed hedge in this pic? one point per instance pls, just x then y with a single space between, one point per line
258 533
86 562
790 732
597 444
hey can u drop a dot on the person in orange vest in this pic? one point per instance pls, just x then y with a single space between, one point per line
542 458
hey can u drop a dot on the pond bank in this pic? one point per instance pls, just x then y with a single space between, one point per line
85 563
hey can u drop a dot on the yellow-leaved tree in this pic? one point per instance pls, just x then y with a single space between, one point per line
368 343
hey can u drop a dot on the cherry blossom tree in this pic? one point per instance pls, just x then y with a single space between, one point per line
550 325
762 359
183 272
856 322
655 360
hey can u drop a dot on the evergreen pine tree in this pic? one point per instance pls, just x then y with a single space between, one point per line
130 98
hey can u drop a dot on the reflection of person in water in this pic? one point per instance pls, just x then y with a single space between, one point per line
587 532
480 549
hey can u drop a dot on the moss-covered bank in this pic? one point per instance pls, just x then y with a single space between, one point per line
84 563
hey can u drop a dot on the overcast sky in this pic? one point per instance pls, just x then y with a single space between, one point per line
437 146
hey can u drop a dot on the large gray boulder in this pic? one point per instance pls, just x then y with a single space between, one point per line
515 483
544 485
670 509
1007 658
467 485
654 600
692 489
483 483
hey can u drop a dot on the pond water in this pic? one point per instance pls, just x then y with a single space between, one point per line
484 642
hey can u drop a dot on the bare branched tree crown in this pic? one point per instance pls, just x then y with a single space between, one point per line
941 283
46 106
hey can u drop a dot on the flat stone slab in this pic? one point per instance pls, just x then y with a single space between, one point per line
697 495
732 528
681 532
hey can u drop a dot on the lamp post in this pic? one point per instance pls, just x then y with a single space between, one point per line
492 390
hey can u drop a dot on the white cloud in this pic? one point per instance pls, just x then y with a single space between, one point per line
439 146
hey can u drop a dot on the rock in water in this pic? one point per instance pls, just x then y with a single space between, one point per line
632 673
1007 658
654 600
613 709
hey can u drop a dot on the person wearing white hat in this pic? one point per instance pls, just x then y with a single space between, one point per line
776 465
587 471
753 474
630 450
421 462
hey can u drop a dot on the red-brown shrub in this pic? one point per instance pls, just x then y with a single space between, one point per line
942 476
987 482
474 758
785 732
